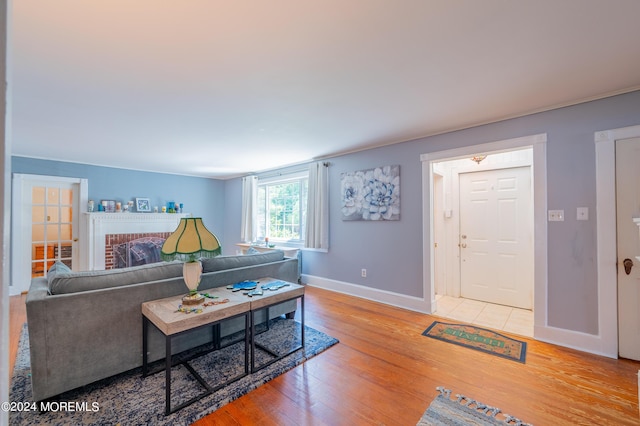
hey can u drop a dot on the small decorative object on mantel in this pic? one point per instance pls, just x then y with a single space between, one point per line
91 206
143 205
108 206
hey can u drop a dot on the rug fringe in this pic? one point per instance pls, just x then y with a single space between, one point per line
477 405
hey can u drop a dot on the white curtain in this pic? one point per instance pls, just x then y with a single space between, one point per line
317 232
249 230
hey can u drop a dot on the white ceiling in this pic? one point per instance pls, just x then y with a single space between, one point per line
219 88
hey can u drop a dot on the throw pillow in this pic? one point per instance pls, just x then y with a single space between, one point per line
56 269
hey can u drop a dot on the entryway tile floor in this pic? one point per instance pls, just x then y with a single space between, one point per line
489 315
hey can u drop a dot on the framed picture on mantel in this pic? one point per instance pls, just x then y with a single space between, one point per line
143 205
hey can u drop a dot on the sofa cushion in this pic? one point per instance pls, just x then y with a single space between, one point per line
230 262
73 282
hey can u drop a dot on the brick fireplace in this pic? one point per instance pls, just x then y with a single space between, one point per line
104 230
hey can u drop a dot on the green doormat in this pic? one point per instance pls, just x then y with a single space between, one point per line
479 339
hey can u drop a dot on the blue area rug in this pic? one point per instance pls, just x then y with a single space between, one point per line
464 411
130 399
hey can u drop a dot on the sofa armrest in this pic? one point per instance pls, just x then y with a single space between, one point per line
36 301
38 290
36 305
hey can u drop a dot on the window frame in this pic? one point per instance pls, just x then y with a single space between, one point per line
282 179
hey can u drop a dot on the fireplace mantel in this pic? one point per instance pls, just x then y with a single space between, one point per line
98 225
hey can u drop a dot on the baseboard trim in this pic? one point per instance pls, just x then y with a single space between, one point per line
573 339
383 296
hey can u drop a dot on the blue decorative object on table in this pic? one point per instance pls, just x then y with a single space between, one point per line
274 285
255 292
243 285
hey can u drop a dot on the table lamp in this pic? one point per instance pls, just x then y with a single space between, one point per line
190 242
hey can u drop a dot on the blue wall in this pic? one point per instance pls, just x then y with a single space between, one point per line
392 251
201 197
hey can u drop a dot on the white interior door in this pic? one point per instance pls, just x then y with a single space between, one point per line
45 226
628 242
496 236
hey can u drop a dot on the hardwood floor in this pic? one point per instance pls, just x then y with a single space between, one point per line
17 318
385 372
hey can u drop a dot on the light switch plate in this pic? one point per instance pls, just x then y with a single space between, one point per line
556 215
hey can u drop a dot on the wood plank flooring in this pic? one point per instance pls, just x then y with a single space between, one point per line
384 372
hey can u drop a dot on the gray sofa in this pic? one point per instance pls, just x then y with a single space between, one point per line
87 326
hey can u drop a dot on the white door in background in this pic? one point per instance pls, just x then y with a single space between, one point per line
45 212
628 242
496 236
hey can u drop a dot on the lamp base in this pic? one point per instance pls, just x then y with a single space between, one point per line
192 299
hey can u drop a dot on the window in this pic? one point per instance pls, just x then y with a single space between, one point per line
282 207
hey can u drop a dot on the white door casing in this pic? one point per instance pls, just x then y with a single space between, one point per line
496 236
438 232
628 246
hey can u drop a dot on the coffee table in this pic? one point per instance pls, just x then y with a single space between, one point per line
164 315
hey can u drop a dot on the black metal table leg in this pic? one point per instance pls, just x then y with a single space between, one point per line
167 353
276 356
302 319
253 340
145 344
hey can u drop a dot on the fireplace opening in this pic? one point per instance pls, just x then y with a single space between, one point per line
137 252
125 250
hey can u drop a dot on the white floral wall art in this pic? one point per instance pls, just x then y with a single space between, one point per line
372 194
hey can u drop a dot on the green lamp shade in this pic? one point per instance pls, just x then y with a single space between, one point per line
190 241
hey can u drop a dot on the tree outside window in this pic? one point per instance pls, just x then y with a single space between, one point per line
282 208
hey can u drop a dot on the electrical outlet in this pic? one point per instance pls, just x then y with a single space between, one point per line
364 273
556 215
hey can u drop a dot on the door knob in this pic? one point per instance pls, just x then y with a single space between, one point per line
463 245
628 264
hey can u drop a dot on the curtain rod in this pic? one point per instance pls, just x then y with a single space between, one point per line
286 171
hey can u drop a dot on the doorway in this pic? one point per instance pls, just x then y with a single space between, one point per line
490 240
510 153
45 226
